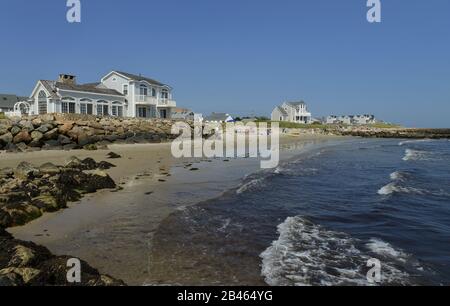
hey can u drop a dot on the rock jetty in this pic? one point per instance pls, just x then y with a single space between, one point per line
27 192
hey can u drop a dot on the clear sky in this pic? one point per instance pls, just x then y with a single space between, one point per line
245 56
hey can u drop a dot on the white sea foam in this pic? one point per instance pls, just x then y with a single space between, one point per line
398 176
383 248
251 185
392 188
307 254
411 155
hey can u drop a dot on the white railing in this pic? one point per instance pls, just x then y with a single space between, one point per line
145 99
167 103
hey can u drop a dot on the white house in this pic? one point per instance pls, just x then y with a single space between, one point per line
292 112
118 94
351 119
219 118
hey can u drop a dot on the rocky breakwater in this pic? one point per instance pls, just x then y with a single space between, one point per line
409 133
72 131
25 194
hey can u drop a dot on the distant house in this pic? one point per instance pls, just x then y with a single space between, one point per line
351 119
118 94
296 112
182 114
7 102
219 118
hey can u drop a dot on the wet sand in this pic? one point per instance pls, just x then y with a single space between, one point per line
113 230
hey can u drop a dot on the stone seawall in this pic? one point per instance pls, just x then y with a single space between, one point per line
371 132
70 131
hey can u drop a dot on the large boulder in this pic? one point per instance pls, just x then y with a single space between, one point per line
6 138
52 134
36 135
65 127
22 136
15 130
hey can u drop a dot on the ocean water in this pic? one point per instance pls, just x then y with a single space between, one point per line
317 219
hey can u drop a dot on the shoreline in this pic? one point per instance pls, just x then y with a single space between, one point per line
90 228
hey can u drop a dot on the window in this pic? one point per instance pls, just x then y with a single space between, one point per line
117 111
125 89
64 107
143 90
165 94
42 102
153 92
99 110
86 106
71 108
142 112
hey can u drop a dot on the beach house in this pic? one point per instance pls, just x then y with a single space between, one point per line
351 119
296 112
118 94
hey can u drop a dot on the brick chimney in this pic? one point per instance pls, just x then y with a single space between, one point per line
67 79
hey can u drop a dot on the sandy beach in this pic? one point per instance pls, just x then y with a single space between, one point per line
113 230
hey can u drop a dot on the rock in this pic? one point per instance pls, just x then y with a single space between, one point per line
20 214
103 165
113 155
89 164
51 135
90 147
6 173
36 135
73 162
43 129
15 130
48 203
50 169
25 274
25 171
64 140
65 128
26 124
22 147
22 257
6 138
22 136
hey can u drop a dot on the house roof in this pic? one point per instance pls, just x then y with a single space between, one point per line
135 77
92 88
217 117
282 111
296 103
8 101
53 86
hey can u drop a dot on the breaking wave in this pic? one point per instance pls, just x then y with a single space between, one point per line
307 254
394 187
411 155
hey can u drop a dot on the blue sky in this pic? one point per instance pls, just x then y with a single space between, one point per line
245 56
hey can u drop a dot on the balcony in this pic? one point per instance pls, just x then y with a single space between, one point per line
141 99
167 103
